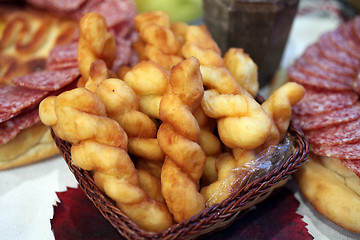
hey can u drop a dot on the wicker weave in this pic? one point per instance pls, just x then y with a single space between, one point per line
213 218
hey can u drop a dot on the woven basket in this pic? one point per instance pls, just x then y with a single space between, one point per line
213 218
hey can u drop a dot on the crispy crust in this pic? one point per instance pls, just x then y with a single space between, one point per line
332 189
30 145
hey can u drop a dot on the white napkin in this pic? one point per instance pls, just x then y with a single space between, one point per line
27 197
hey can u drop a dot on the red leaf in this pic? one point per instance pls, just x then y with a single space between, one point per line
75 217
274 219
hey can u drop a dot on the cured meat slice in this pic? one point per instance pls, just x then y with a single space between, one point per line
10 128
123 53
305 79
115 11
14 98
343 44
352 164
348 132
356 28
316 101
310 122
63 56
308 68
313 55
329 51
50 80
349 34
342 151
58 6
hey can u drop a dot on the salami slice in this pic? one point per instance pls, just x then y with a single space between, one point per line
123 54
342 151
61 7
316 101
313 55
306 67
115 11
63 56
305 79
330 52
5 116
14 98
349 34
356 28
343 44
10 128
50 80
347 132
311 122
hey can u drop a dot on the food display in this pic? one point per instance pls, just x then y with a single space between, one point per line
329 116
39 58
156 139
29 74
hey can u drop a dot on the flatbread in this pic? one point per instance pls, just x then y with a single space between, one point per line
332 189
31 145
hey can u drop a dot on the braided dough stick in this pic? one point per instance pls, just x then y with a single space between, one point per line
149 175
242 123
105 156
230 174
149 81
157 42
95 42
178 136
243 68
279 104
122 105
68 114
230 167
98 72
209 143
278 107
159 18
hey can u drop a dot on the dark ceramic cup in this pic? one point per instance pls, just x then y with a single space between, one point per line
260 27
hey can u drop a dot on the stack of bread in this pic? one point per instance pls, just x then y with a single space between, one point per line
172 134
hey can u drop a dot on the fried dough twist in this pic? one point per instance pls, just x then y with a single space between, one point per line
178 136
99 145
278 107
231 173
122 105
243 68
242 123
230 167
149 81
95 43
156 41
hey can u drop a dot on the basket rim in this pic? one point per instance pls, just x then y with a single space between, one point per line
199 224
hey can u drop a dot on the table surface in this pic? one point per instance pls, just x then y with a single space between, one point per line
28 193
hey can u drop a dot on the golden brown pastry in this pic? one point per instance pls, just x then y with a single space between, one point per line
234 168
95 42
332 189
178 137
157 42
100 145
243 68
241 120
